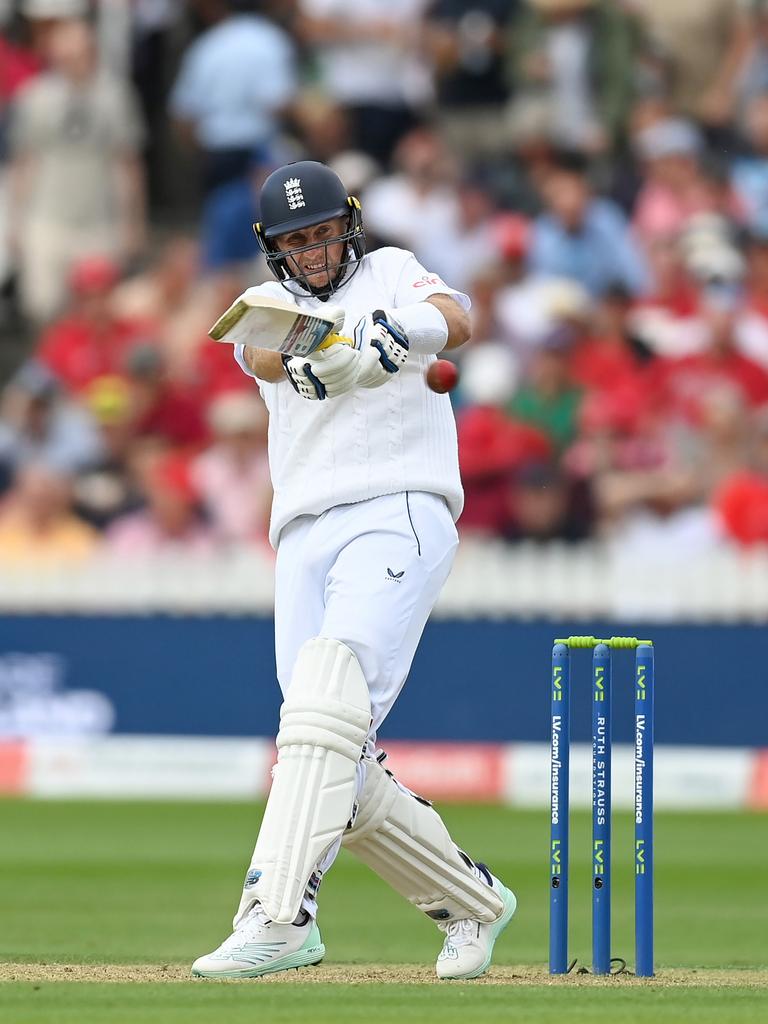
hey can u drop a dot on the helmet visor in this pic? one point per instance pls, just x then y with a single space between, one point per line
326 271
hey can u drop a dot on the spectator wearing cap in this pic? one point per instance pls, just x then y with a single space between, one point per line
492 444
667 321
675 188
234 82
39 425
548 398
43 15
171 523
105 488
38 529
583 237
232 475
89 341
530 308
76 178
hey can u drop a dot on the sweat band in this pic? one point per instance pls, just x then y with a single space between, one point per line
425 326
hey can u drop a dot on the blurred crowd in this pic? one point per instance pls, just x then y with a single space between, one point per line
594 173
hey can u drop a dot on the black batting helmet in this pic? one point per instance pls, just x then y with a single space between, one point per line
298 196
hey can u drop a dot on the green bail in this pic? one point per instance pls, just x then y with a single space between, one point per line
615 642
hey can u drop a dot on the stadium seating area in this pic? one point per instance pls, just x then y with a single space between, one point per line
594 173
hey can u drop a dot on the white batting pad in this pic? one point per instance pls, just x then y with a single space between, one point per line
324 723
404 840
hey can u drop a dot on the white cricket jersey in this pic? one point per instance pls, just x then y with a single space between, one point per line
398 437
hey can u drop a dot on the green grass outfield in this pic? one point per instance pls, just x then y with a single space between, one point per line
123 896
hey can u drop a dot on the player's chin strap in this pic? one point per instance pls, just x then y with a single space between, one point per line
324 723
402 838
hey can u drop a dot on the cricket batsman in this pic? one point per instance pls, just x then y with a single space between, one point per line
365 471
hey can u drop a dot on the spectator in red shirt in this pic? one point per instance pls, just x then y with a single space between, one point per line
492 445
741 501
677 384
162 409
89 341
742 508
17 66
216 373
605 359
667 321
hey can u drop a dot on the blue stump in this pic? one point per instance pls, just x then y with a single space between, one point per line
601 809
644 811
559 809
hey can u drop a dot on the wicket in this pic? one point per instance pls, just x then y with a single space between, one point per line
601 802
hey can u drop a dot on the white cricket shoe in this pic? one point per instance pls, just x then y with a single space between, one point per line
259 946
468 945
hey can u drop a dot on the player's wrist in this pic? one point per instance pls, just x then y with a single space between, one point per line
424 325
243 358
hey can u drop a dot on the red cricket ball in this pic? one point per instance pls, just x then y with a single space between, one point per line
442 376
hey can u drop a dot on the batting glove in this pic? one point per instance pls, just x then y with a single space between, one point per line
383 346
325 374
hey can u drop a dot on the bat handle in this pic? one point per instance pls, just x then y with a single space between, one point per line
335 339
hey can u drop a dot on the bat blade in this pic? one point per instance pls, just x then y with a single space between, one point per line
271 324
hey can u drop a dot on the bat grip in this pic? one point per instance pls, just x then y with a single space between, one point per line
335 339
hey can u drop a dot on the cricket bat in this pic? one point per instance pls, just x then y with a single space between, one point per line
261 322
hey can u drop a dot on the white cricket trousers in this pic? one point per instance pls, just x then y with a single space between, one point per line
368 575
